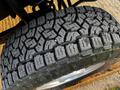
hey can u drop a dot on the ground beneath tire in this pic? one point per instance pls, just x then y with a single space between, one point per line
106 79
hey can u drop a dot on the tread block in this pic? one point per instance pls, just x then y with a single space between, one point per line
32 23
58 23
110 21
93 22
86 25
41 20
107 40
84 43
10 55
24 50
15 63
85 46
22 39
49 58
18 32
6 61
71 26
30 68
10 48
30 33
82 16
3 85
25 29
62 32
29 54
40 46
79 21
22 58
70 10
39 62
113 28
12 38
118 26
5 72
38 34
105 23
106 14
11 60
83 31
105 28
72 49
80 10
15 76
60 52
30 43
39 29
71 36
16 43
99 14
9 77
116 38
49 15
9 67
70 17
21 71
61 36
96 42
60 13
5 52
6 84
49 34
15 52
98 10
99 17
49 24
95 30
49 44
90 14
59 39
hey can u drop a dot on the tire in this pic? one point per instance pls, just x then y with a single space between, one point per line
56 44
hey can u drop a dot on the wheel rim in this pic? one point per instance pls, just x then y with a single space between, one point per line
70 77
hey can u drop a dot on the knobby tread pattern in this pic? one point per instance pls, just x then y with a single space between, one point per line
56 44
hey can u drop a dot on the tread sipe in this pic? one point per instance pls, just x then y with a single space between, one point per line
57 44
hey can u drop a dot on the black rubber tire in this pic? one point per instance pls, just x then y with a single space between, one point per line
57 44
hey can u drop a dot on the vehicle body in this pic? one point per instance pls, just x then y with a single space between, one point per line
16 7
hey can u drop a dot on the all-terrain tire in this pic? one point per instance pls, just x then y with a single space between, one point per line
57 44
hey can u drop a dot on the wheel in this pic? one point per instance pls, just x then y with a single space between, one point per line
57 44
